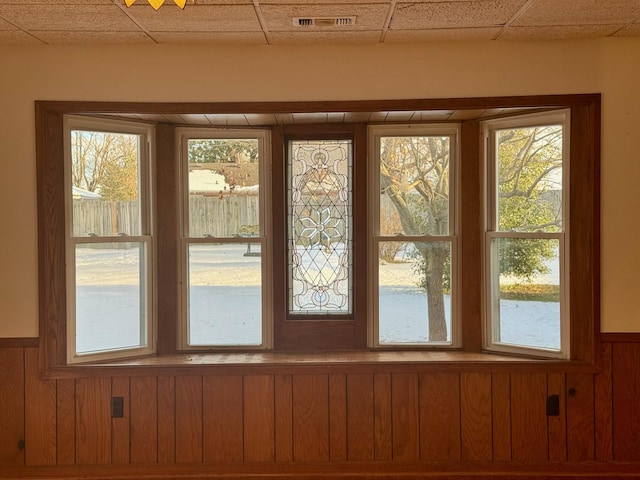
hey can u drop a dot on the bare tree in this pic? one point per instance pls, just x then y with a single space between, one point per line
414 174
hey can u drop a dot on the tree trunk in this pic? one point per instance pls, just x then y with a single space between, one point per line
436 255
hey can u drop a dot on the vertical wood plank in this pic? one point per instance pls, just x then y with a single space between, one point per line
188 419
501 414
360 417
166 181
120 437
475 416
310 418
604 405
440 416
626 398
471 211
259 418
93 421
337 417
557 425
222 418
529 437
40 414
383 442
405 416
13 408
144 419
580 418
66 421
166 420
283 385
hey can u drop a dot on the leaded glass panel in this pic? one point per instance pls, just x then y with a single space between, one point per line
319 227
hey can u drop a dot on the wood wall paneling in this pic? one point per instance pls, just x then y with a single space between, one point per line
93 421
529 437
259 418
222 418
355 417
360 417
338 430
626 401
440 416
382 422
580 418
144 422
310 418
604 405
166 420
13 409
501 410
120 426
405 416
40 413
475 417
283 417
66 421
188 418
557 425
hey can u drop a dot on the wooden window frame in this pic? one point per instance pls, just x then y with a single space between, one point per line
583 202
316 333
493 232
143 237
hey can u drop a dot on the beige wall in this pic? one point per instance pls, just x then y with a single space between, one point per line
182 73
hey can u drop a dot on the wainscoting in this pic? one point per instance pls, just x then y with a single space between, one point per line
404 423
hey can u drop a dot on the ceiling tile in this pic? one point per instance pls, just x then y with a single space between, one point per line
632 30
218 2
306 3
106 18
197 18
558 32
235 38
441 34
93 38
279 18
57 2
17 37
305 38
4 25
478 13
579 12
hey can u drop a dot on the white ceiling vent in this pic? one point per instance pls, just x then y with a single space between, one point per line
323 21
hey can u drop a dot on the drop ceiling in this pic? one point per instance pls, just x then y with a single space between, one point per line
278 22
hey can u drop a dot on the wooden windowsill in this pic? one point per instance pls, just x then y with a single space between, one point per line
322 362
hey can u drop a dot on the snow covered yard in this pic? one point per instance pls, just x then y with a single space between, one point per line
226 304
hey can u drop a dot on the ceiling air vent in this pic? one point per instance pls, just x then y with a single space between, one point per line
323 21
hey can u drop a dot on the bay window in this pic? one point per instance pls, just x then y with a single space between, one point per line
465 225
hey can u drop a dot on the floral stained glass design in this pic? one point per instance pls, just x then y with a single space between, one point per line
319 227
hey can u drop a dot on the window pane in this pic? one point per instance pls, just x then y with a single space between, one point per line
225 295
105 183
319 228
530 179
414 304
414 185
526 292
110 296
223 182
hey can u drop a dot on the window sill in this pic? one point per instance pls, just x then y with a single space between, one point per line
325 362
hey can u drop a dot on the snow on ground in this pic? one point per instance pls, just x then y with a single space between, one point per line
225 303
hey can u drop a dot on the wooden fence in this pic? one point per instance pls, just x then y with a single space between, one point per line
209 216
